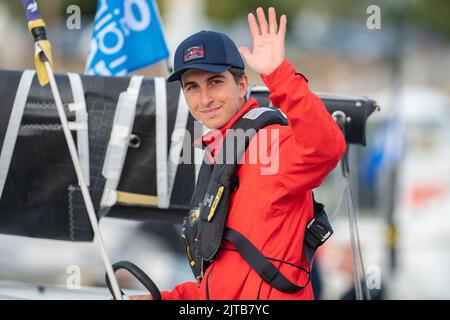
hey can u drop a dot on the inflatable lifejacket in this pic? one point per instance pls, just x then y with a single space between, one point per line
203 228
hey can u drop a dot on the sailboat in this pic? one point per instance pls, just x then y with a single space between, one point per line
134 142
138 160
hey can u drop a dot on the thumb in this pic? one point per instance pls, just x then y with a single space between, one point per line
244 52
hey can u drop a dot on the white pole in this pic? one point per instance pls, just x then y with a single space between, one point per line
358 265
81 181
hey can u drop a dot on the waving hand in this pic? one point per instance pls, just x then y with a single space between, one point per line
268 42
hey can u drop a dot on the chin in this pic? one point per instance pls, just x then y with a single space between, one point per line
214 123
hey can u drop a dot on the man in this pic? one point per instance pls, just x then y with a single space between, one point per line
270 210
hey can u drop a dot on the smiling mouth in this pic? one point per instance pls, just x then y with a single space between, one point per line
211 112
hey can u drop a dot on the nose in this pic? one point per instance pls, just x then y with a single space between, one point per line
205 97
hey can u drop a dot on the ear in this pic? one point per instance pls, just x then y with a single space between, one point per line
243 86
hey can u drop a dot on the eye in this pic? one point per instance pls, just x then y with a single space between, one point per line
216 82
190 87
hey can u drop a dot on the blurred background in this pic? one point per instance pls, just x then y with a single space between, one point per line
400 180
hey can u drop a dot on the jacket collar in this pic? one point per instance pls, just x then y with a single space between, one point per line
212 140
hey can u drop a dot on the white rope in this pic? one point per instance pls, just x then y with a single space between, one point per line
161 143
176 145
119 141
81 116
12 130
81 181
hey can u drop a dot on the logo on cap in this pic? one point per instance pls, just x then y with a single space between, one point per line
193 53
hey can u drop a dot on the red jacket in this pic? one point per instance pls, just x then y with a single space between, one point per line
272 210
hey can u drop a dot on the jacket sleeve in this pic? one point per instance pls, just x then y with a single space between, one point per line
184 291
315 143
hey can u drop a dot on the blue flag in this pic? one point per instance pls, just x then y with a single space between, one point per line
127 36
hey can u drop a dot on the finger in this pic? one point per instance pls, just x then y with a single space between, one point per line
254 29
273 27
282 28
244 52
262 20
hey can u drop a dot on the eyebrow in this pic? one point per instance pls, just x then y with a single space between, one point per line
220 76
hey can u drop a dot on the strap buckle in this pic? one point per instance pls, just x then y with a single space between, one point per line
318 230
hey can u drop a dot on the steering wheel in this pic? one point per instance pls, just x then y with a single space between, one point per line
140 275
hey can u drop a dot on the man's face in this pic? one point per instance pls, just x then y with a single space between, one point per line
213 98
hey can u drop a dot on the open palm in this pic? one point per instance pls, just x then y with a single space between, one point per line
268 42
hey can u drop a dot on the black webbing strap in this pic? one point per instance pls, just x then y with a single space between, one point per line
317 232
266 270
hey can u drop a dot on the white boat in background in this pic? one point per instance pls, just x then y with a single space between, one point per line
423 207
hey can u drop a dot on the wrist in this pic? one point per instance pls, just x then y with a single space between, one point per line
270 69
281 73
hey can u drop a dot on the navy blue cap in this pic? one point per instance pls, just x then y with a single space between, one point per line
208 51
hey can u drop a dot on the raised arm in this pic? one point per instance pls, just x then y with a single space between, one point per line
317 143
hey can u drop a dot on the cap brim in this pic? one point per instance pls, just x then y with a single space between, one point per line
200 66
